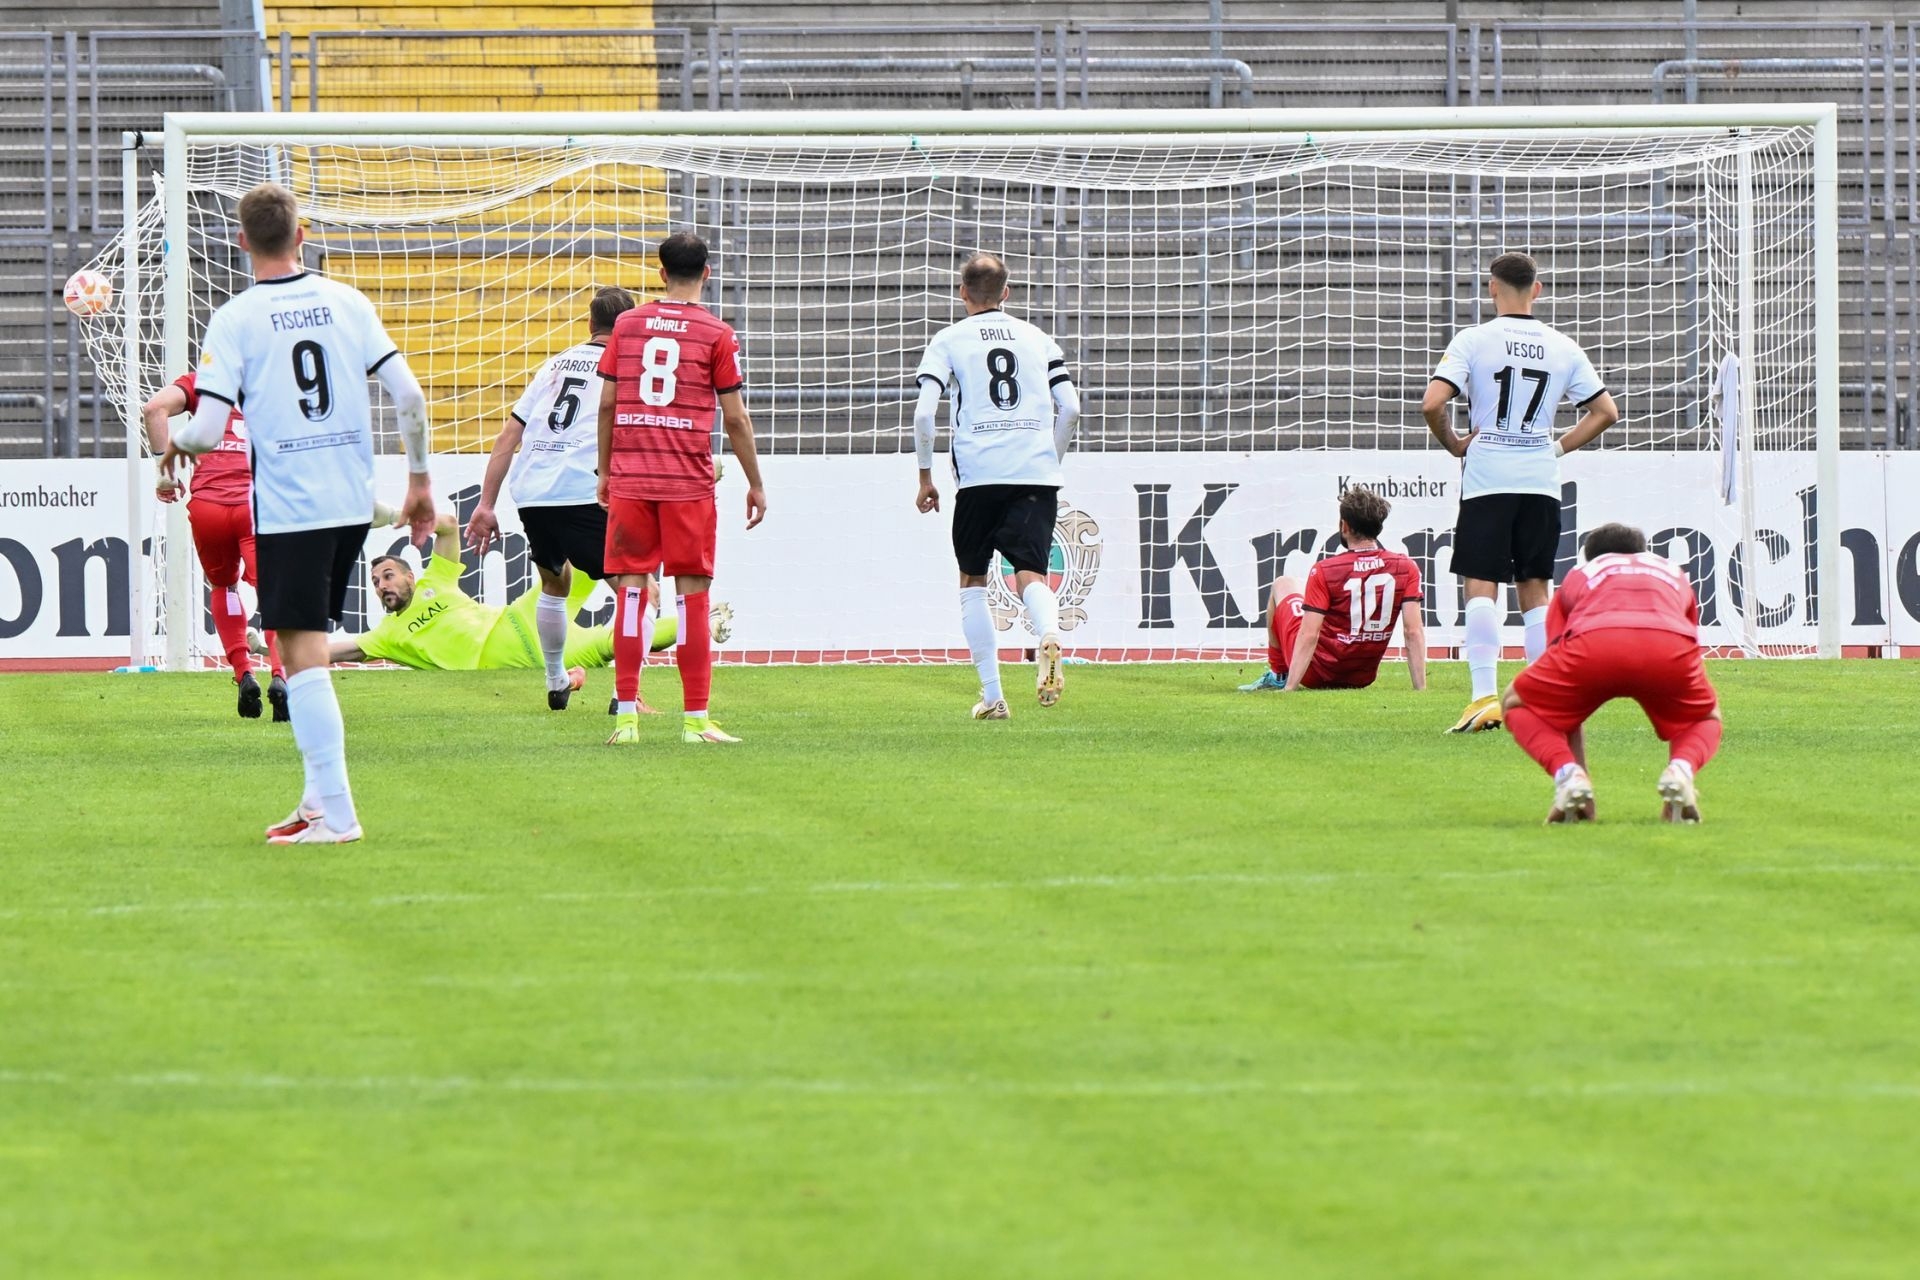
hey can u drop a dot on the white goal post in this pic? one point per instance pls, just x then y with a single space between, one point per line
1251 299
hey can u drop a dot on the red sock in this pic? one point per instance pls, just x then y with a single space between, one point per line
695 654
1276 660
1696 743
1547 745
629 644
230 624
273 654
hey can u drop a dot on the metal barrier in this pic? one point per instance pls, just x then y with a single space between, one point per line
64 101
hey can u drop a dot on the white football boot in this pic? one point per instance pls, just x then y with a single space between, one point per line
1049 680
1572 796
995 710
1679 802
318 832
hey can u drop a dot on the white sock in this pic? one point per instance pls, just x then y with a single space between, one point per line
550 622
322 739
1043 609
1483 646
976 620
1536 620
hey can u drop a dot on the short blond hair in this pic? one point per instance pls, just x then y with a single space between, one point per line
270 217
984 280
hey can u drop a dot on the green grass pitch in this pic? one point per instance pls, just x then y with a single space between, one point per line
1167 982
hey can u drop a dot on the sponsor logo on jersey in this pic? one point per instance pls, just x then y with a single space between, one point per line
426 615
1073 564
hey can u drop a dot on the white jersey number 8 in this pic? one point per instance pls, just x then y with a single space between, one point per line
658 361
1370 604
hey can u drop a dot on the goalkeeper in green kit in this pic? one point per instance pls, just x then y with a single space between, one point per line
431 624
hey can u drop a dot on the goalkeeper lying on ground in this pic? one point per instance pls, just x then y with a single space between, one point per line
431 624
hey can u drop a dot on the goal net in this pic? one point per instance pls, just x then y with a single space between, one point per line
1251 316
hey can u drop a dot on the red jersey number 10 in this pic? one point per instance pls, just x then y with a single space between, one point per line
1370 602
659 360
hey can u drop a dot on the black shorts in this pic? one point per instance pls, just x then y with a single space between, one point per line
575 535
1014 519
304 575
1507 537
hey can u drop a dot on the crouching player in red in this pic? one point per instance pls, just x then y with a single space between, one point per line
1362 591
220 512
1623 625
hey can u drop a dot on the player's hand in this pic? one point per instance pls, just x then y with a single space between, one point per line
756 507
482 528
170 463
1458 448
929 499
600 491
417 510
167 489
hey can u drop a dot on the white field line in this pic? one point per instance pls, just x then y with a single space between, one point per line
252 1082
831 888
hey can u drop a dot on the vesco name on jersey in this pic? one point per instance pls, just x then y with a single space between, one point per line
655 420
1526 350
305 318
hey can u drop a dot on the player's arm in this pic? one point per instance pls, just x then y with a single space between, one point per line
1066 399
410 416
1600 414
219 384
446 538
483 526
167 403
926 424
345 649
1413 635
738 425
1303 648
1436 406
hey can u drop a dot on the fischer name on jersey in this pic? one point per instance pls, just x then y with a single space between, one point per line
224 474
560 448
1642 592
295 353
999 372
669 363
1361 594
1514 372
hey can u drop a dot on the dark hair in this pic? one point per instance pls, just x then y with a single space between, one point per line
1514 270
606 307
375 563
1364 511
984 280
271 218
683 255
1614 539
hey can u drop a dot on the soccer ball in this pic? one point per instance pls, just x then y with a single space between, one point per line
88 293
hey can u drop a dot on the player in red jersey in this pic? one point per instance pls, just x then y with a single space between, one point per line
220 512
1623 625
670 362
1361 591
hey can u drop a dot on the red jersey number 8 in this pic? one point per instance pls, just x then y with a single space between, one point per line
658 361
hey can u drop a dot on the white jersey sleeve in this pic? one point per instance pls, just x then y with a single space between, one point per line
1515 372
560 447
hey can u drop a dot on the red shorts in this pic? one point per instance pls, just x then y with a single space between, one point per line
1284 631
1660 670
223 536
675 538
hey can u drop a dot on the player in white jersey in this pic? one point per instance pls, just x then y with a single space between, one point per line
1014 406
555 428
1514 372
295 351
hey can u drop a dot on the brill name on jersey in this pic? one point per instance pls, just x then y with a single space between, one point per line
295 354
1515 372
999 372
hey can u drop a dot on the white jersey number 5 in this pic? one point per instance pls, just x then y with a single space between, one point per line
658 361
